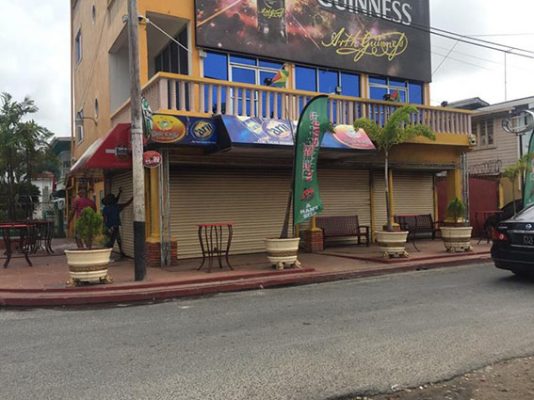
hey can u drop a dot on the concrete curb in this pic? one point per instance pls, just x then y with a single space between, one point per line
205 286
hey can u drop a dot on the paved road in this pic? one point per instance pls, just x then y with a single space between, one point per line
308 342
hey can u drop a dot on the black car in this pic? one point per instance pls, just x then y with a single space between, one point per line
513 243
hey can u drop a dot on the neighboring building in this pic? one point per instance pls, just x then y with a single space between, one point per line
495 150
61 147
44 208
224 133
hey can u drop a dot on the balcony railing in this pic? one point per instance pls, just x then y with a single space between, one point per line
205 97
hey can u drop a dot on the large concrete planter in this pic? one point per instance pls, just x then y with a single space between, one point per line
88 265
283 252
456 238
392 244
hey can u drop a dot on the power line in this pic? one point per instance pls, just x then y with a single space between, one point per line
445 58
452 35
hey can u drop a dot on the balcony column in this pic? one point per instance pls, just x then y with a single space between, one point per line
454 185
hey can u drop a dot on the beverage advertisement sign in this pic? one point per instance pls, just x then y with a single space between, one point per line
151 159
169 129
313 124
250 130
383 37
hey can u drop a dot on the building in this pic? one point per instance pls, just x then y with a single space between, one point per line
495 150
223 133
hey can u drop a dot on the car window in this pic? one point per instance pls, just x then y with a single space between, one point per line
526 215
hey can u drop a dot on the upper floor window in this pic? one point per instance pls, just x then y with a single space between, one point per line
384 88
251 70
327 81
78 47
79 129
484 133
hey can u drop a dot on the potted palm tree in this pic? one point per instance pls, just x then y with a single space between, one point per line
397 129
89 264
455 231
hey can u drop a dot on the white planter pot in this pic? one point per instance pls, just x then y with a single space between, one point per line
283 252
392 244
456 238
88 265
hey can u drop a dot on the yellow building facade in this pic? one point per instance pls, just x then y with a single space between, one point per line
207 75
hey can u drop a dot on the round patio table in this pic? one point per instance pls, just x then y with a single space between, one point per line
13 232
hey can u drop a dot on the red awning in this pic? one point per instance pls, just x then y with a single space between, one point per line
111 152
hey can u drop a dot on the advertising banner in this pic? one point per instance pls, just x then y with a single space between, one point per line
168 129
383 37
259 131
313 124
528 194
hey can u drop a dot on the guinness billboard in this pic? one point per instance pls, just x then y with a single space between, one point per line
384 37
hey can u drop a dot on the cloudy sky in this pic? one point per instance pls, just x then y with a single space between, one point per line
34 46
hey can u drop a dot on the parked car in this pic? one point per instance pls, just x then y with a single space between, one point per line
513 243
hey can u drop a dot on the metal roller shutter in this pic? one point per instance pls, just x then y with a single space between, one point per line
414 192
345 192
254 200
124 181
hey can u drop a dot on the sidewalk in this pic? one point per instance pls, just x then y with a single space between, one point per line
44 284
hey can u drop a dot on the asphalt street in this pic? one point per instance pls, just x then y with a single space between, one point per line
322 341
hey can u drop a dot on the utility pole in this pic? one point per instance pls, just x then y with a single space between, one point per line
137 144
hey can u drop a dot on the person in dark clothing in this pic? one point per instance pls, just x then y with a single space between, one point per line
112 219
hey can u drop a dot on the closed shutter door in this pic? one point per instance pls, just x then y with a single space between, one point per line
414 193
124 181
345 192
254 200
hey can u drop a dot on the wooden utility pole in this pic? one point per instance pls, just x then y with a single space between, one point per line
137 144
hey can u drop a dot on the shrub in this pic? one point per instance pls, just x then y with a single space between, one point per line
89 226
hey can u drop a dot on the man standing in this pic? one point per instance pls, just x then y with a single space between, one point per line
112 218
78 205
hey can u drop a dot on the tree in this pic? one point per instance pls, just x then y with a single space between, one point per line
24 150
397 129
514 171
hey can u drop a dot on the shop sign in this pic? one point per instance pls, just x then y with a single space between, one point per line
379 37
313 123
167 129
151 159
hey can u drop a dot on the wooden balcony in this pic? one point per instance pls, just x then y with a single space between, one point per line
185 95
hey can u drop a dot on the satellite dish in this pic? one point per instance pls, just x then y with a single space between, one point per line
519 123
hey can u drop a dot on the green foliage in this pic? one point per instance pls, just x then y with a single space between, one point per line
399 128
89 226
514 171
456 209
24 149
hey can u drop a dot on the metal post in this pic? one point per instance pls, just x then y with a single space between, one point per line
137 144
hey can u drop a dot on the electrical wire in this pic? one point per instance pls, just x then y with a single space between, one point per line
452 35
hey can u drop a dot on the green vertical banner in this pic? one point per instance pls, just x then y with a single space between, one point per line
313 123
528 193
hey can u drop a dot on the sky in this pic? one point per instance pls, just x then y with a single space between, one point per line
35 55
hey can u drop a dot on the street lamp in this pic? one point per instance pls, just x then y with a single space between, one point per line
78 120
519 123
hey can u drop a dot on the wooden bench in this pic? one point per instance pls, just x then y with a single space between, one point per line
417 224
343 226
